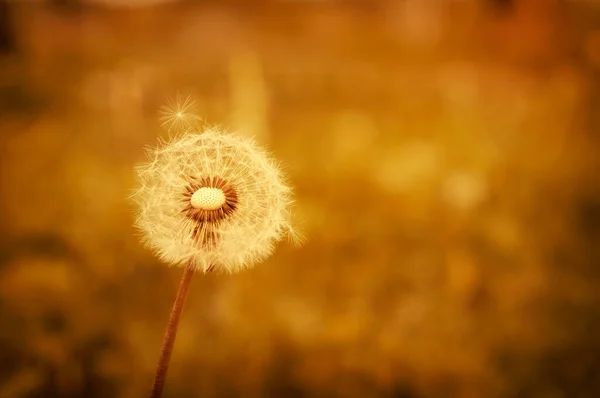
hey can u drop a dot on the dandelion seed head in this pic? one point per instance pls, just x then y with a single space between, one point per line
213 200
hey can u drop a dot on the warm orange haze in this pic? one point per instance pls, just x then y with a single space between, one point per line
442 157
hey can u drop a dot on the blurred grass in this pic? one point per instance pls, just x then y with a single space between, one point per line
445 159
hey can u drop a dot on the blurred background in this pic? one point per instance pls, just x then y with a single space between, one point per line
445 159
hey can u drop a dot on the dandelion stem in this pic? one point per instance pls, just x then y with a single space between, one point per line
171 333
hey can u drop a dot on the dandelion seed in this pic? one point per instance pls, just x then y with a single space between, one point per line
178 115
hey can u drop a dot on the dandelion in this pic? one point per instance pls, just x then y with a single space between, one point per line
210 201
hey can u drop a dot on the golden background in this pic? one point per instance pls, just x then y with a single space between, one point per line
445 158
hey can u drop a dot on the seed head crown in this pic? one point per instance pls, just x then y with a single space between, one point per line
212 200
208 199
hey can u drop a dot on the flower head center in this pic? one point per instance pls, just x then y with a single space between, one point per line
208 198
